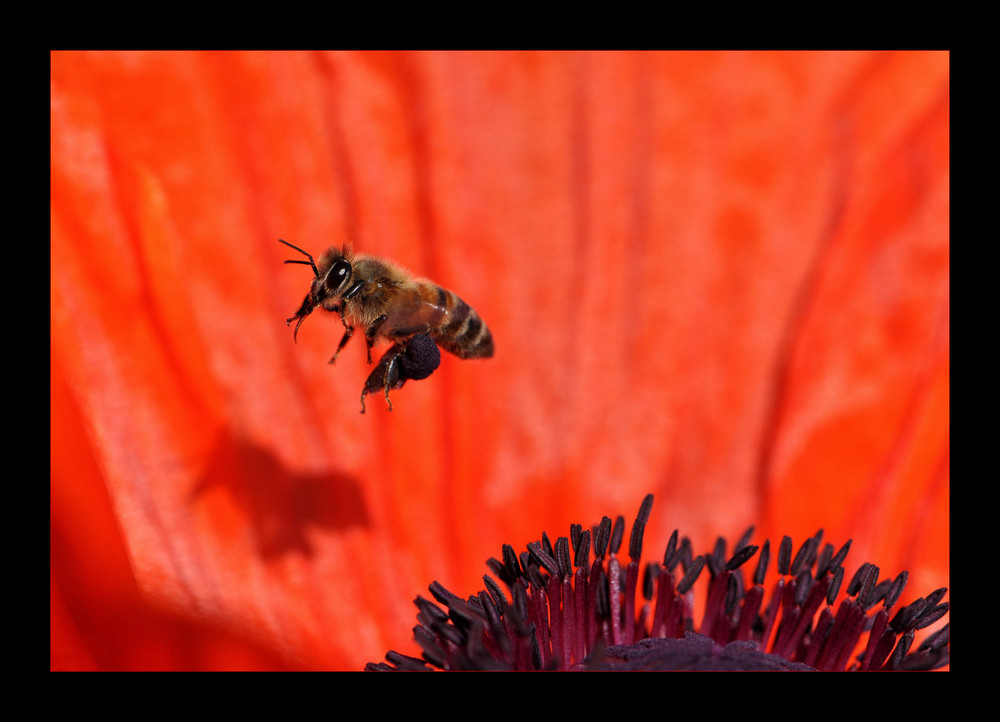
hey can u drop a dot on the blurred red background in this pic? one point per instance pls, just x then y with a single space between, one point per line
718 277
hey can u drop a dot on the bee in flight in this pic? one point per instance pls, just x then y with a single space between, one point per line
382 299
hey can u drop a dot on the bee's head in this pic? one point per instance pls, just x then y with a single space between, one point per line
330 284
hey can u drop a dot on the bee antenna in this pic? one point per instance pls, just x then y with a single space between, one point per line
310 262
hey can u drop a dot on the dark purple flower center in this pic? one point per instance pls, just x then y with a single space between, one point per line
568 611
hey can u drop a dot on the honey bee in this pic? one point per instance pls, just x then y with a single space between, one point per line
382 298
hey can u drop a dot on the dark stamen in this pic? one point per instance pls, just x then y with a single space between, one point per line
582 558
691 576
635 540
765 556
741 557
839 557
510 561
835 582
565 612
784 555
602 537
617 534
671 548
562 557
859 576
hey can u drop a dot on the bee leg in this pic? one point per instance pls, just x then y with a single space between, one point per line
392 380
371 332
385 377
343 341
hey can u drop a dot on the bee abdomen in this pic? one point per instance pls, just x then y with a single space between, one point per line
464 333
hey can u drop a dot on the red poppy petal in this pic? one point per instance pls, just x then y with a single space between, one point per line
718 277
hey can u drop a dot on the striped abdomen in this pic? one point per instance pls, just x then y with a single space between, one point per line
459 330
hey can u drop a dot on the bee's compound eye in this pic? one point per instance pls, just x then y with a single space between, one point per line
339 273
